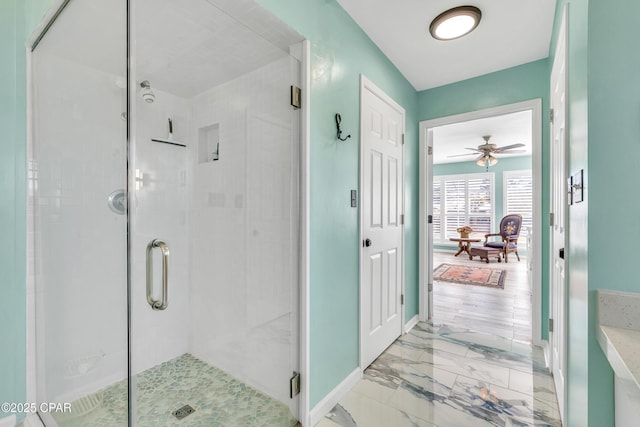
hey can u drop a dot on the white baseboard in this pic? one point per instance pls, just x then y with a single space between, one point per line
411 323
9 421
546 349
330 400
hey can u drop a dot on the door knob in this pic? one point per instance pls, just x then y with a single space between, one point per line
561 253
366 243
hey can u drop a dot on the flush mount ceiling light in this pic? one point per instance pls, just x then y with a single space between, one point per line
455 23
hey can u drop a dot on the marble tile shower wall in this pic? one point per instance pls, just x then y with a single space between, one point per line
241 230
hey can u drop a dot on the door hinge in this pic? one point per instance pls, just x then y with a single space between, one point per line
296 97
430 151
551 114
429 219
294 385
430 287
403 139
552 218
550 325
402 299
402 219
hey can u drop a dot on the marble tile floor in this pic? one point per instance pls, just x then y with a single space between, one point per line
444 376
502 312
219 400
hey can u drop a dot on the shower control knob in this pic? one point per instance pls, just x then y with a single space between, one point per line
366 243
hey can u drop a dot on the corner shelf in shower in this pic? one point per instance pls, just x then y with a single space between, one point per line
166 141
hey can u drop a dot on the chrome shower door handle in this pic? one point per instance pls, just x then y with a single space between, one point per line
164 301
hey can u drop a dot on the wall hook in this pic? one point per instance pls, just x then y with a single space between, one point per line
339 135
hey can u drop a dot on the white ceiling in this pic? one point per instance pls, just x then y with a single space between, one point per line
507 129
182 47
190 46
510 33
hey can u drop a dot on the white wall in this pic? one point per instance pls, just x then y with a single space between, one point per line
159 212
243 232
80 247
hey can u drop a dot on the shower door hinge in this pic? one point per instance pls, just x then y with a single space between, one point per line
550 325
430 150
296 97
294 385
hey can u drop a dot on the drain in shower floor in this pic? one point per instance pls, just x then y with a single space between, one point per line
183 412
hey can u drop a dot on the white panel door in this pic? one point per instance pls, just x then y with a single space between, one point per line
382 126
559 208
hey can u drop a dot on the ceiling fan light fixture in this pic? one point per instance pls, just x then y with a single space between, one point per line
480 162
492 160
455 23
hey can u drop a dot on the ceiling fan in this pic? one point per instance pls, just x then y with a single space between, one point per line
487 152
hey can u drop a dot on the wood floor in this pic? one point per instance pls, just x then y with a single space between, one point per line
502 312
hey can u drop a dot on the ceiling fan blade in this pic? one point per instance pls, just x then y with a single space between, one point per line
511 152
474 149
507 147
461 155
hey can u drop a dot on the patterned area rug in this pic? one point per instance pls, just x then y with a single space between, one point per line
479 276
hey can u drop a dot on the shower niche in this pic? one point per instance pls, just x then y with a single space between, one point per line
226 342
209 143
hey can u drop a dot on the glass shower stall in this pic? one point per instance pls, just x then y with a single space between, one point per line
164 192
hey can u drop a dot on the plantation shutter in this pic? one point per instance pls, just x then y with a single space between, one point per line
519 198
437 217
455 202
460 200
480 205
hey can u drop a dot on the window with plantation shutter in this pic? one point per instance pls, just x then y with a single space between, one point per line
518 199
460 200
437 224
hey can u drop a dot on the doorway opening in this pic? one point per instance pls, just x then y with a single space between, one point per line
470 181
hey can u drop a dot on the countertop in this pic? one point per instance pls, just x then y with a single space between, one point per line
622 348
619 332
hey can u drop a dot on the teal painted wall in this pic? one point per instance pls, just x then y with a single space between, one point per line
13 208
503 165
604 132
339 45
613 153
521 83
18 19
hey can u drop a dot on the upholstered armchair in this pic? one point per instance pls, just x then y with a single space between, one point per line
509 232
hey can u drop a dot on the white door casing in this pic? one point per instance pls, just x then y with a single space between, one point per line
559 190
382 188
425 293
425 201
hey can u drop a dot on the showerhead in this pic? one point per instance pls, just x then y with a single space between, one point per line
147 93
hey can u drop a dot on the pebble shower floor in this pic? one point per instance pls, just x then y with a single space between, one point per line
219 400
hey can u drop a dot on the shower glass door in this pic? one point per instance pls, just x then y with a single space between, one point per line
78 224
214 230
